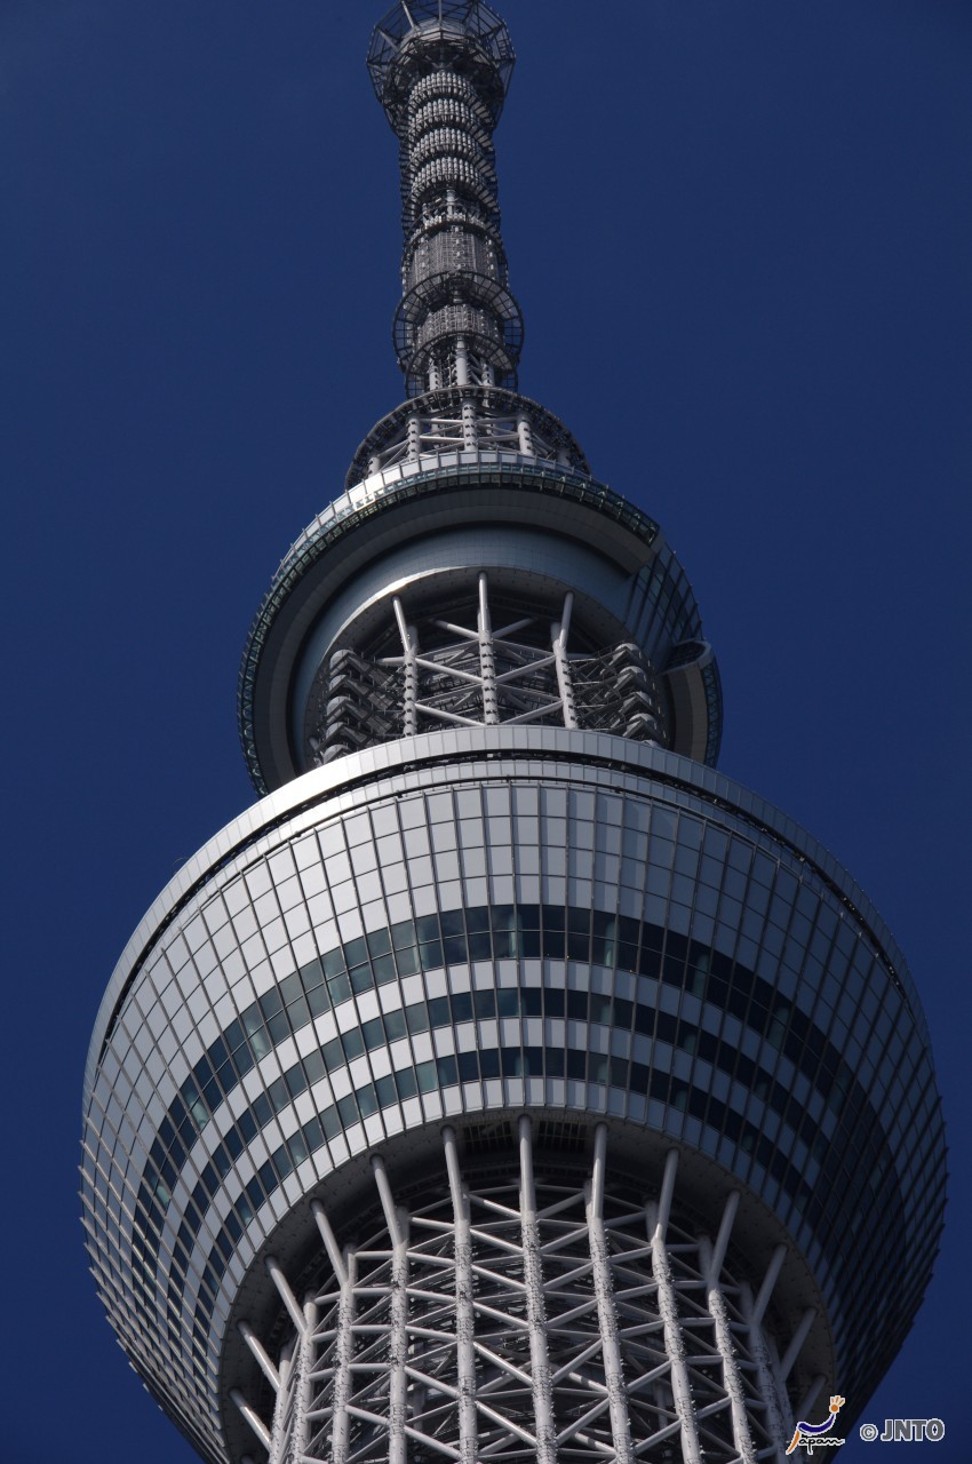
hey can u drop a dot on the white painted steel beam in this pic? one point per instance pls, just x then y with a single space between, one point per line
344 1357
464 1293
286 1295
546 1432
769 1281
719 1312
796 1344
438 1329
253 1418
398 1325
559 632
258 1350
303 1383
606 1308
765 1379
487 662
658 1216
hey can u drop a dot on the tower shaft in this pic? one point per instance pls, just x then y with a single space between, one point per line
506 1085
441 73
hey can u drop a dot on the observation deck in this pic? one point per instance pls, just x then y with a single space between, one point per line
452 931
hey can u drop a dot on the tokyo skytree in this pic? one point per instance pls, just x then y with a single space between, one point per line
506 1084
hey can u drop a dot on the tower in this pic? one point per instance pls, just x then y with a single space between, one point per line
506 1081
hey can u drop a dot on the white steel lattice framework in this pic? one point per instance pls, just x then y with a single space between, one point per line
486 690
518 1318
479 675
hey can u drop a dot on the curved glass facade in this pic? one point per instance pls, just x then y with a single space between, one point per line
469 925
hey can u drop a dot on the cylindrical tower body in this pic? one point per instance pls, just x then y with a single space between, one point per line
507 1082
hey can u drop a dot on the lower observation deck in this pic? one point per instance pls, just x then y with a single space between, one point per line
559 985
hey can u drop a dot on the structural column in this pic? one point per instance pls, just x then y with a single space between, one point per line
546 1432
657 1217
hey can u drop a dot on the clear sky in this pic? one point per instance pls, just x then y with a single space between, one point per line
741 233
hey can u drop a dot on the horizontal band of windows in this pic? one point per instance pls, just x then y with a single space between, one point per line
487 933
451 1011
483 1065
842 1093
491 933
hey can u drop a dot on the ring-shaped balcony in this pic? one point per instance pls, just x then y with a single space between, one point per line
457 287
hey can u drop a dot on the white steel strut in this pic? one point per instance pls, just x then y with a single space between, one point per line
523 1317
482 675
470 672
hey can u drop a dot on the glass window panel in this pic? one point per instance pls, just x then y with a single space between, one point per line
314 1066
489 1063
427 1077
531 1001
384 968
373 1033
379 942
576 1064
597 1067
577 1005
511 1061
333 962
271 1002
296 1080
318 1001
408 961
508 1001
447 1071
362 978
600 1007
462 1006
333 1054
405 1083
353 1043
339 987
468 1063
554 1001
417 1017
484 1003
439 1012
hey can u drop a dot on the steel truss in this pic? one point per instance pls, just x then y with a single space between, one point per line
477 675
525 1319
477 418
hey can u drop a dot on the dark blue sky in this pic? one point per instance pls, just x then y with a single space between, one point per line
741 232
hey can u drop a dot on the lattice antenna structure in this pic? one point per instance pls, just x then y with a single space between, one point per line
506 1086
441 72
